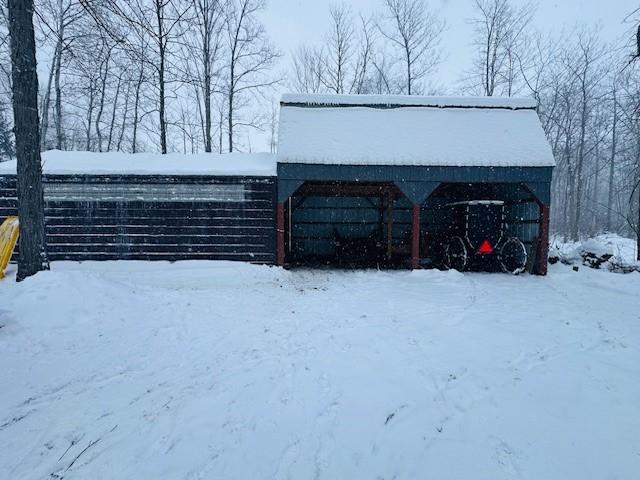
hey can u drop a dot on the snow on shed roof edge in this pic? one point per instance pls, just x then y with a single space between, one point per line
118 163
332 100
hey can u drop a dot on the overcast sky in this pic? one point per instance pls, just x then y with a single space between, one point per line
291 23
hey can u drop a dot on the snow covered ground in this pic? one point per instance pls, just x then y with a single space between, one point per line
214 370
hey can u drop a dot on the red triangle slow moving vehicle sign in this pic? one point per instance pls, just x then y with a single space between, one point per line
485 248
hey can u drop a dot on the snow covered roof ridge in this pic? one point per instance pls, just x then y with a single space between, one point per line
395 101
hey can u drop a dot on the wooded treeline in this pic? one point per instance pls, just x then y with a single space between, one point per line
140 75
200 75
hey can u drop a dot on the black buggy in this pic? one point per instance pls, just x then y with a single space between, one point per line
476 240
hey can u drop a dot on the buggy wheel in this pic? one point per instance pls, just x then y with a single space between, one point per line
513 256
455 254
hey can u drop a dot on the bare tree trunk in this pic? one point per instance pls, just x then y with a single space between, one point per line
206 54
566 205
230 112
220 129
47 101
58 106
90 117
595 192
33 253
184 131
103 92
612 163
408 58
124 118
162 112
161 72
113 112
575 225
570 195
207 111
136 109
636 187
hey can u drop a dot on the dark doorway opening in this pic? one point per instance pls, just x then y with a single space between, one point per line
348 225
444 221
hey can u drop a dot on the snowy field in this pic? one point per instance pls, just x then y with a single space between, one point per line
213 370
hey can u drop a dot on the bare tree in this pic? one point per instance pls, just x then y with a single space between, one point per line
589 104
614 151
159 21
340 49
635 225
114 111
416 32
33 256
500 32
250 58
206 45
57 19
587 73
140 51
104 71
307 70
273 128
345 61
364 57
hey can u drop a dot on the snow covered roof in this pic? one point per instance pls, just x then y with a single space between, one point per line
402 130
229 164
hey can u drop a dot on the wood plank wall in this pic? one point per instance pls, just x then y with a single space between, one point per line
111 217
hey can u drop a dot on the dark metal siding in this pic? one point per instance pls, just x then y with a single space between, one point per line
318 219
141 224
414 181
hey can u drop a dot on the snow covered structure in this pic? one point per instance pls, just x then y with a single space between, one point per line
110 206
357 180
382 167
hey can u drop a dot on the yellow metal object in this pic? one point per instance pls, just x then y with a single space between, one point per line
9 231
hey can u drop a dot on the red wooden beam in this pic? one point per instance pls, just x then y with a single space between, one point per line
280 234
415 238
542 253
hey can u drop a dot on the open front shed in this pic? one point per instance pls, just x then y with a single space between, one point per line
369 180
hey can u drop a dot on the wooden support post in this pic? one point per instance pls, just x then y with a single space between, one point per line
415 237
280 234
542 253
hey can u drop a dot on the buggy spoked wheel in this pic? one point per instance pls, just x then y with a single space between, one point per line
513 256
455 255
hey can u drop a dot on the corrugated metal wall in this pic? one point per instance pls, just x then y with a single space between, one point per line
317 220
107 217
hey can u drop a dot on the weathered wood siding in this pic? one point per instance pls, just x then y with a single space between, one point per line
107 217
